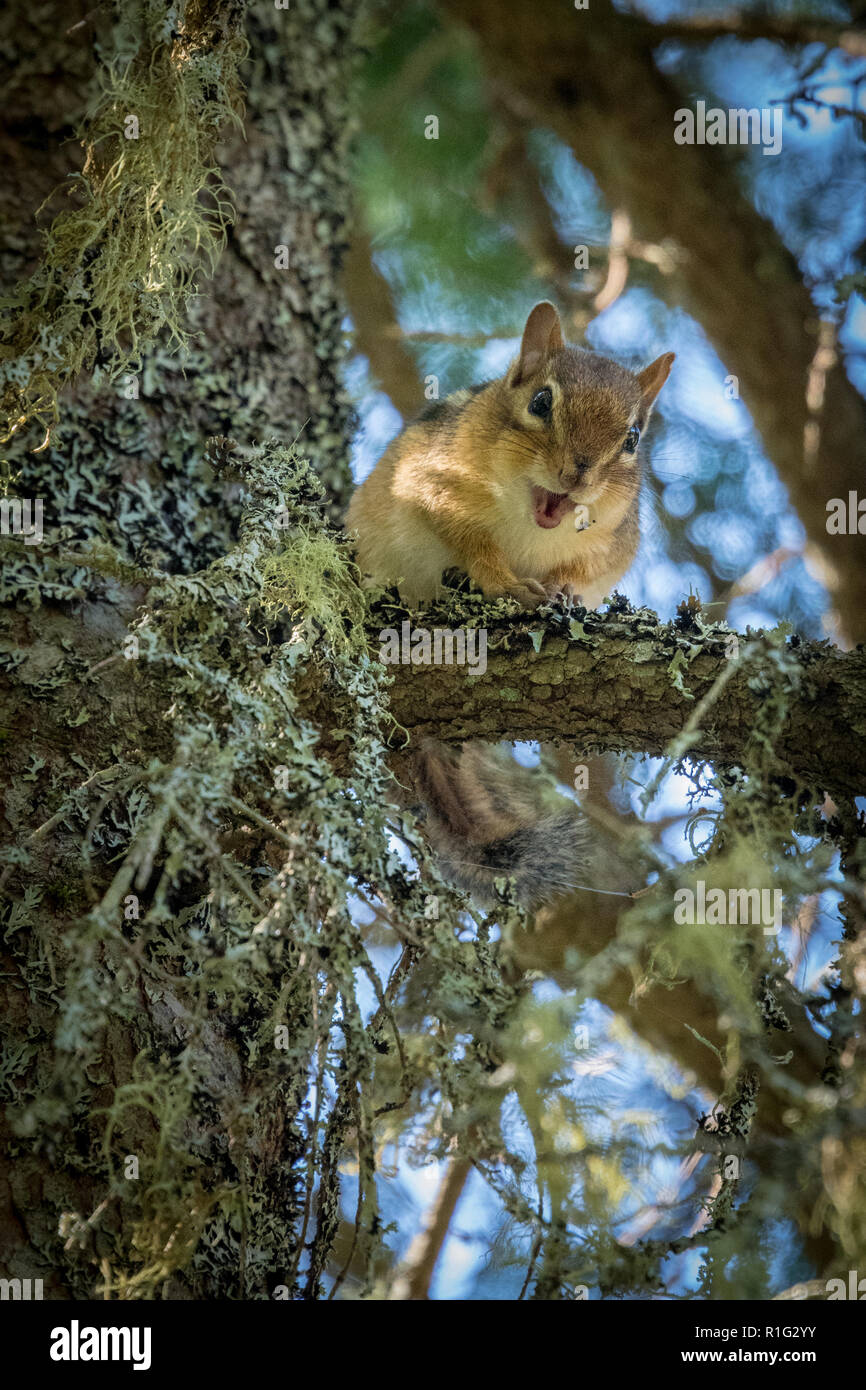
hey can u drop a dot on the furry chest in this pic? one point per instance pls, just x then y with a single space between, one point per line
532 552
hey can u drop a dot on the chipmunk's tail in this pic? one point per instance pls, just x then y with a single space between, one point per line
487 819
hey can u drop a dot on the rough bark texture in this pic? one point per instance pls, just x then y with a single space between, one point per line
625 683
127 481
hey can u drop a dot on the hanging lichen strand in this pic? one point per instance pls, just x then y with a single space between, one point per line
151 210
205 1009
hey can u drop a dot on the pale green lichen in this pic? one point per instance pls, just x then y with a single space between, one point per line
313 578
118 269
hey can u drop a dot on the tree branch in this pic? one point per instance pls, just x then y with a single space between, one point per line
377 331
414 1279
625 683
787 29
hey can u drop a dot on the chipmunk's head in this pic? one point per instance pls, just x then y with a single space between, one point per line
575 422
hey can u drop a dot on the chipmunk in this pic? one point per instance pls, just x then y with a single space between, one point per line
531 485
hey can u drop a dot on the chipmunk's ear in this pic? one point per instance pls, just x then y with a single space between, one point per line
541 336
653 378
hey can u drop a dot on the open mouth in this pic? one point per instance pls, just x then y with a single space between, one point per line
549 508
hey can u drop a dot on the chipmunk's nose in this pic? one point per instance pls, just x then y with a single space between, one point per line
574 476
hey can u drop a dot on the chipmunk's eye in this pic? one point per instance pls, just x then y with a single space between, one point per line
631 440
541 403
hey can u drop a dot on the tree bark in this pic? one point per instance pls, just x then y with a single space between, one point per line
627 684
126 480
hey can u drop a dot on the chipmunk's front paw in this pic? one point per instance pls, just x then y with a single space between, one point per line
528 592
565 594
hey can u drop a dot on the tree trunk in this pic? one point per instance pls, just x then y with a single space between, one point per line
127 487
